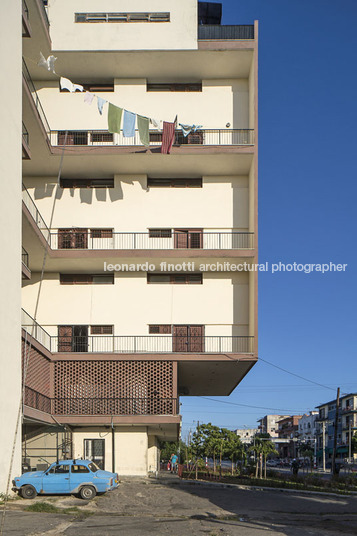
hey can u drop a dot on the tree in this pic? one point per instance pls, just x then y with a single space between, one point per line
307 452
206 441
262 447
234 448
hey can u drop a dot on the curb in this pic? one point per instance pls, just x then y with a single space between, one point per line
267 488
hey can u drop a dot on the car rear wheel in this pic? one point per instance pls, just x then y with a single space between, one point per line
28 492
87 493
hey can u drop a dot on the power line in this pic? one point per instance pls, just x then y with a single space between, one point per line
249 406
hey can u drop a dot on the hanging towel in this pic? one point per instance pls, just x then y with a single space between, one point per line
156 123
143 127
67 84
48 64
114 118
168 137
100 104
187 129
88 97
129 124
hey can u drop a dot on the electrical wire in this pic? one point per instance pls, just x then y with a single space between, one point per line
250 406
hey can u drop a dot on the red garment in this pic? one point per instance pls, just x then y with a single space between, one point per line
168 137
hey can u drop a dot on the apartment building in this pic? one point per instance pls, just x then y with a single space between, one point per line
127 302
269 425
246 435
307 428
346 428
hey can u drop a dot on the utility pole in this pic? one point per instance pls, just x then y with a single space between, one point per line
334 472
350 442
323 446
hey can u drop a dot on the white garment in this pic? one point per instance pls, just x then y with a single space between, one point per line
48 64
67 84
88 97
156 123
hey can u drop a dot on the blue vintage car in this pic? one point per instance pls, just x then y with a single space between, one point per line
67 476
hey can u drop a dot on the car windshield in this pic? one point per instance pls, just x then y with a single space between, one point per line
93 467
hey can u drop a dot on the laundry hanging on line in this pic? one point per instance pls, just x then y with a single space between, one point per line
168 137
88 97
188 129
143 127
114 118
129 124
65 83
48 64
100 104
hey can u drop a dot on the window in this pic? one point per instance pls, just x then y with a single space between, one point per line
74 137
101 233
160 329
102 137
174 183
181 87
160 233
79 469
122 17
87 183
94 88
59 469
175 279
87 279
101 330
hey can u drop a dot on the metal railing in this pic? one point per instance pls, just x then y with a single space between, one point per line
36 99
25 9
35 330
43 8
25 257
132 344
36 400
103 138
25 134
132 241
35 213
115 406
225 32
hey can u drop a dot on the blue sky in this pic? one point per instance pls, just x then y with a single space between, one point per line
307 208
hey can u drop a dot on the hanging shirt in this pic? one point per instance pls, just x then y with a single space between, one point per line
187 129
143 127
88 97
114 118
129 124
156 123
168 137
48 64
67 84
100 104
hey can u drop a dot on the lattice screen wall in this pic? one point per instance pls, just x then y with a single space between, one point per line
38 370
113 379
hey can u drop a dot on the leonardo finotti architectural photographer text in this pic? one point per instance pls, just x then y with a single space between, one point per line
306 268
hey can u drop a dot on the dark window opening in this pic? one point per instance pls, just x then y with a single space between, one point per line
74 137
122 17
174 183
87 183
101 233
101 137
180 87
175 279
160 233
163 329
101 330
72 238
86 279
73 338
188 238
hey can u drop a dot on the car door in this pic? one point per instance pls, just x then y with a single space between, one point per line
79 473
56 479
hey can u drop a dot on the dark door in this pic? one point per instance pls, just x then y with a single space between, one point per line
188 238
188 339
72 238
73 338
94 450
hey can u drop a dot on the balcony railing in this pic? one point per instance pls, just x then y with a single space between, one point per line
225 32
25 9
25 142
115 406
36 99
142 344
25 257
34 329
133 241
43 8
103 138
100 406
31 207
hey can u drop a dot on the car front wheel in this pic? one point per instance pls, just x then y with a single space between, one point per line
87 493
28 492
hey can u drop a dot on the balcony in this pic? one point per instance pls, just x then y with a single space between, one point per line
192 240
203 137
34 329
225 32
26 155
26 272
26 29
101 406
32 92
34 213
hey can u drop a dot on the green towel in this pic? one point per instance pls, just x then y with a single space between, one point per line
143 127
114 118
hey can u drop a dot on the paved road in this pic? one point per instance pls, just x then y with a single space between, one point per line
173 508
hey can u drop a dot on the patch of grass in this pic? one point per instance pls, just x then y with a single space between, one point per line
43 507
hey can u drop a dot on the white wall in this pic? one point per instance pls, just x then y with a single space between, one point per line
131 304
179 33
10 242
131 206
220 102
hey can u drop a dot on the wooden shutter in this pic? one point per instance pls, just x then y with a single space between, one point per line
65 338
181 239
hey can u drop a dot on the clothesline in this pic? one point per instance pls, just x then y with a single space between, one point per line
117 115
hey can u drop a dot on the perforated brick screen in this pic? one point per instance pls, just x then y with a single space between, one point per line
38 370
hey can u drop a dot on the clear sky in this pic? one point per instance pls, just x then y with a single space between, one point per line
307 208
